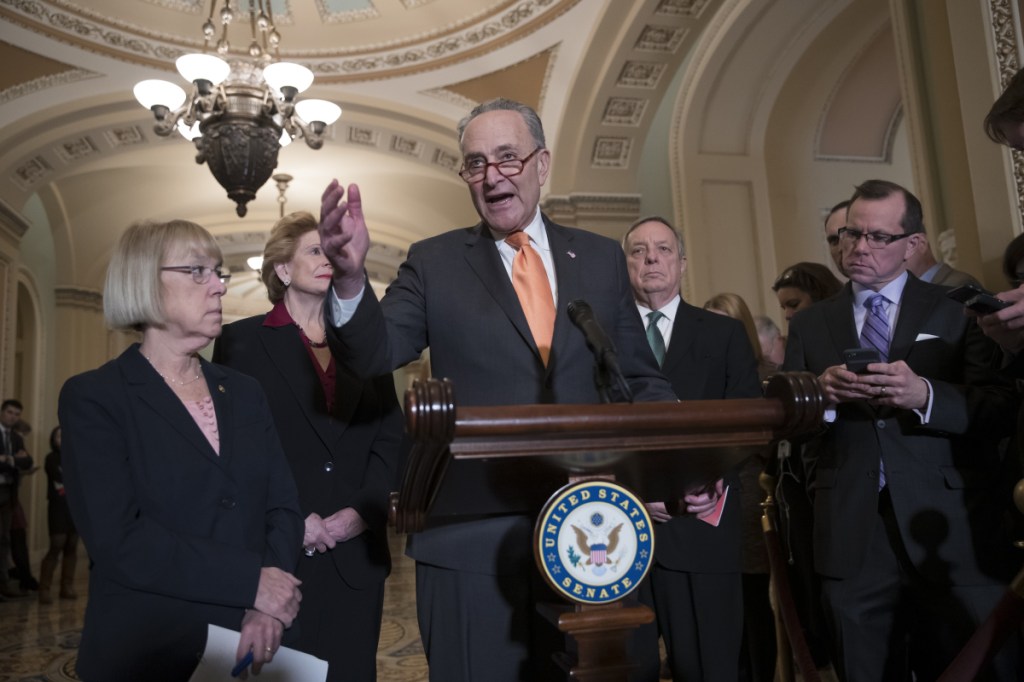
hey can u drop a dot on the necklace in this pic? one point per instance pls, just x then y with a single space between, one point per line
310 342
174 381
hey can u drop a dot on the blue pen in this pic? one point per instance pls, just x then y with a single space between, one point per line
242 664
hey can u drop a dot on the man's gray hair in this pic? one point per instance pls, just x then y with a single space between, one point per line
663 221
530 117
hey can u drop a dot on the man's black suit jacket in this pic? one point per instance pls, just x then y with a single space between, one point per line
348 459
454 296
943 477
709 357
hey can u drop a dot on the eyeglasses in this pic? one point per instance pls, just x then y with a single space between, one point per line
475 169
200 273
876 240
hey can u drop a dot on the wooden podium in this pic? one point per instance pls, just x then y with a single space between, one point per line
511 459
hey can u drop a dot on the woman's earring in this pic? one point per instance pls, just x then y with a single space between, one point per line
287 282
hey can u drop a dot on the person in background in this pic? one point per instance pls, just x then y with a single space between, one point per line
175 475
757 659
771 340
922 264
63 535
733 305
799 287
908 498
14 460
694 585
802 284
1004 123
836 219
342 437
22 566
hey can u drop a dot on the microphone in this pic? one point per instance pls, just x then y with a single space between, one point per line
600 344
582 315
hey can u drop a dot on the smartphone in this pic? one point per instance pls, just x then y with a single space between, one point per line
965 293
858 359
986 303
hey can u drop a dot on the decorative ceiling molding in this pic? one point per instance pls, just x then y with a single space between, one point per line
79 297
345 16
467 38
12 223
85 34
186 6
525 17
681 8
42 167
44 83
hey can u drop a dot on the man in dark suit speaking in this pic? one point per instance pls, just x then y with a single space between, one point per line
905 479
490 302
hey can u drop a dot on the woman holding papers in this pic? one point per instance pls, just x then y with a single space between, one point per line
175 476
342 437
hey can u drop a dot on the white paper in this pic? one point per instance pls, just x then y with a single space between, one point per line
288 665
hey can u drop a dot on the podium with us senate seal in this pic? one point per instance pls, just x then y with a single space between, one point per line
583 473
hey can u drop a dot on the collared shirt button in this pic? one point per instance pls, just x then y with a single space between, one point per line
329 466
880 423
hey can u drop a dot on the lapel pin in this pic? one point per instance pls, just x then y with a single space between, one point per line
221 388
572 254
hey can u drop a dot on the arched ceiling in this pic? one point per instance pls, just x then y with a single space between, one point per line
404 71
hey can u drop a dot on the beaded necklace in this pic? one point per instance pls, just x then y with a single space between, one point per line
174 381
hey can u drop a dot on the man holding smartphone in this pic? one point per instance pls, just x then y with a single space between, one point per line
910 449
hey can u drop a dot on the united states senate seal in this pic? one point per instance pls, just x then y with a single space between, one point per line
594 541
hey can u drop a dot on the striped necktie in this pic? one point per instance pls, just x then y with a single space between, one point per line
654 336
875 334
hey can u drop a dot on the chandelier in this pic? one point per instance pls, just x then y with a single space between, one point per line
239 113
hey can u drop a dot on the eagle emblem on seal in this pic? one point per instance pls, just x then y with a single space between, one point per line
598 544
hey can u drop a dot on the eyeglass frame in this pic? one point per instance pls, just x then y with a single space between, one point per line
871 237
497 165
197 272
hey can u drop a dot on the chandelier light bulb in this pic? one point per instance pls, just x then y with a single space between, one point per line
209 30
199 66
285 139
287 74
313 110
159 93
226 15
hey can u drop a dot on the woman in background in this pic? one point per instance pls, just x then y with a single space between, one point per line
798 287
63 536
175 475
342 437
801 285
757 658
733 305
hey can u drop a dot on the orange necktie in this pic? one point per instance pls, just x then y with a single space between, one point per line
530 280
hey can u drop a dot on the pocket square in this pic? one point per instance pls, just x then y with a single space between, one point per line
925 337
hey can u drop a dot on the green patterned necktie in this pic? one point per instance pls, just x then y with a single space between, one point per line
654 336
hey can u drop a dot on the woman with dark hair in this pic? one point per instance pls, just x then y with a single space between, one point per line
63 535
342 437
803 284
